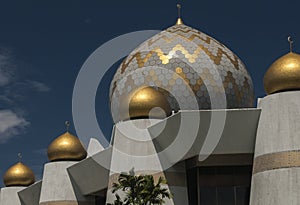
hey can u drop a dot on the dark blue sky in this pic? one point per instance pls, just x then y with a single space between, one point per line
43 45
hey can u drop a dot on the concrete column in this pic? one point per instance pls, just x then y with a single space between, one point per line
276 168
59 189
9 195
133 148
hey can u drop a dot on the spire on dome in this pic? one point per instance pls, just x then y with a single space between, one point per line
179 20
291 43
67 123
20 157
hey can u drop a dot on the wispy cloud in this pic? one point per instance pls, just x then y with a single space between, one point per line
38 86
42 151
11 125
13 91
4 79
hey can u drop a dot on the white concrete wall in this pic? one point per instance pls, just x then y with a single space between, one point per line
9 195
31 195
57 185
279 123
133 148
96 178
94 147
276 187
278 132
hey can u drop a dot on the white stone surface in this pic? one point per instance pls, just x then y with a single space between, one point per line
9 195
279 124
94 147
57 185
133 148
31 194
276 187
185 134
278 130
96 178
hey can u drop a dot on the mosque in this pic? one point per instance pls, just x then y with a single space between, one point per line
183 107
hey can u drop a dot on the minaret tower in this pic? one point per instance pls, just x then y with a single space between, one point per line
15 179
57 187
276 167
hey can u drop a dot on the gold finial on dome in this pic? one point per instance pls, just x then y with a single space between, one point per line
18 175
66 147
284 73
146 102
179 20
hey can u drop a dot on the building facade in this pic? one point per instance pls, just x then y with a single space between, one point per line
183 107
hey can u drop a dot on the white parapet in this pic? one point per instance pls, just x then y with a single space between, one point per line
9 196
276 168
57 187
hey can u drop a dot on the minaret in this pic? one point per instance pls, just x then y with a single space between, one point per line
57 187
16 178
276 168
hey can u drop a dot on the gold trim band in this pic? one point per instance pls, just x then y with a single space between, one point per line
277 160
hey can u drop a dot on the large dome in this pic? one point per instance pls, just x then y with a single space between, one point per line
193 70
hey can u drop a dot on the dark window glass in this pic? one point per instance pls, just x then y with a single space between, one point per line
192 186
100 200
219 185
208 196
225 195
242 195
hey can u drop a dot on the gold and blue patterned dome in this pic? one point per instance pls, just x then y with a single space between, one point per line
187 66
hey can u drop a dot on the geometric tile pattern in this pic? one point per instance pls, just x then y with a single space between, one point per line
192 69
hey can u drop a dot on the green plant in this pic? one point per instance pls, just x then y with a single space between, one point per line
140 190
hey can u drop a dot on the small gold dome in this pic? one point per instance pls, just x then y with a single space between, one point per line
283 74
66 147
18 175
146 102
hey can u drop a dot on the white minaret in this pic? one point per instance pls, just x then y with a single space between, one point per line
16 178
276 169
57 186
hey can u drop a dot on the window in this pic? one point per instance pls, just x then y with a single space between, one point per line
219 185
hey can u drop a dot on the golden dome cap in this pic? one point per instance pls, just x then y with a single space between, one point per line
283 74
18 175
146 102
66 147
